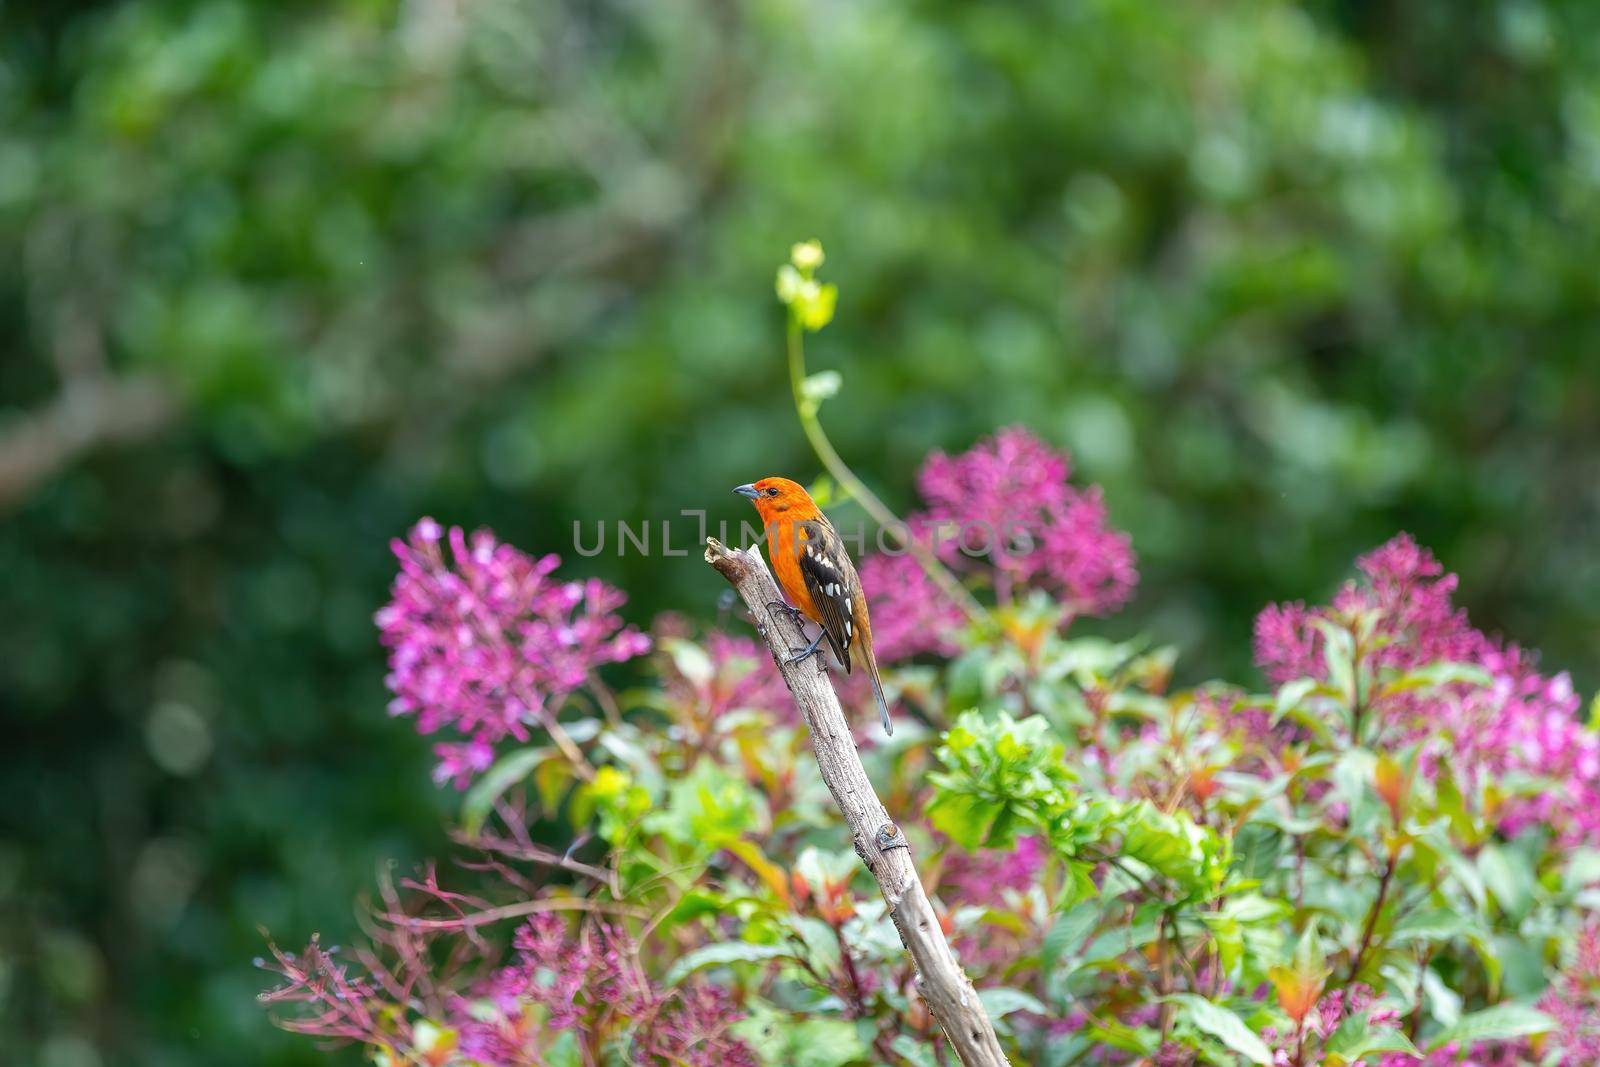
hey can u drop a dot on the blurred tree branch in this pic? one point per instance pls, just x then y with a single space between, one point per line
439 310
88 412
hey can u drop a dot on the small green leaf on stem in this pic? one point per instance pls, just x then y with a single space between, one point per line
1222 1024
819 387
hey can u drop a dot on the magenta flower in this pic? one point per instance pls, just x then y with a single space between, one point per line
1335 1007
486 642
910 615
694 1029
983 877
1521 724
1287 646
1417 622
995 482
1481 1054
461 762
431 973
1084 557
565 975
1008 499
1574 1002
577 979
1005 513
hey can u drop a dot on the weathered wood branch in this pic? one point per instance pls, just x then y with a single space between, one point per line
878 841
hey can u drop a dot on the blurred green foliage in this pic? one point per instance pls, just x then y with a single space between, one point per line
280 277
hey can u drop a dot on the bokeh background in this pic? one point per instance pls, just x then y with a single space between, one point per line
277 278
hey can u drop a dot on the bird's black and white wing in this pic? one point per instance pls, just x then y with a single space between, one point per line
831 580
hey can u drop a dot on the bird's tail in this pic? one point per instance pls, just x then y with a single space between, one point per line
877 686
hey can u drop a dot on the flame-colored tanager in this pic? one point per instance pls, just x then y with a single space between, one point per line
816 574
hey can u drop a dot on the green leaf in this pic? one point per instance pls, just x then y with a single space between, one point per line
1435 924
551 780
1142 1040
564 1051
1353 776
919 1053
1442 672
1000 1001
820 867
724 952
1229 938
507 771
1386 1040
690 659
1068 932
1313 723
1493 968
1290 694
1175 845
1523 963
1256 848
1449 802
969 820
1582 869
1499 1023
1354 1041
821 386
1510 881
822 944
1467 876
1444 1003
1002 776
708 808
1338 653
812 1042
1223 1024
1252 908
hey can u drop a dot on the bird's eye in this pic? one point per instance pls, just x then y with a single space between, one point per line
772 492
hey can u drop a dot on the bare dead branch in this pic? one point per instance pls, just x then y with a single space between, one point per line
878 841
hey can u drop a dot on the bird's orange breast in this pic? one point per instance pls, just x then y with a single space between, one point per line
785 542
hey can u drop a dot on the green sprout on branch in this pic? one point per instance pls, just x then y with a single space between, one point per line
811 305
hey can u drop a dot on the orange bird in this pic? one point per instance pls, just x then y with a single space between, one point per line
816 574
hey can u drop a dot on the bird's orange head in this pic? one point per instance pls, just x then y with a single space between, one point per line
779 498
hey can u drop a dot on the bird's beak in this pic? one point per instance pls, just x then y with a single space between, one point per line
748 490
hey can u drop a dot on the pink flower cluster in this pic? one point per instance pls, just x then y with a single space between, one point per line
1005 509
577 981
1330 1010
982 877
485 641
1417 621
1481 1054
991 878
1520 724
1335 1007
909 613
1573 1001
589 983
